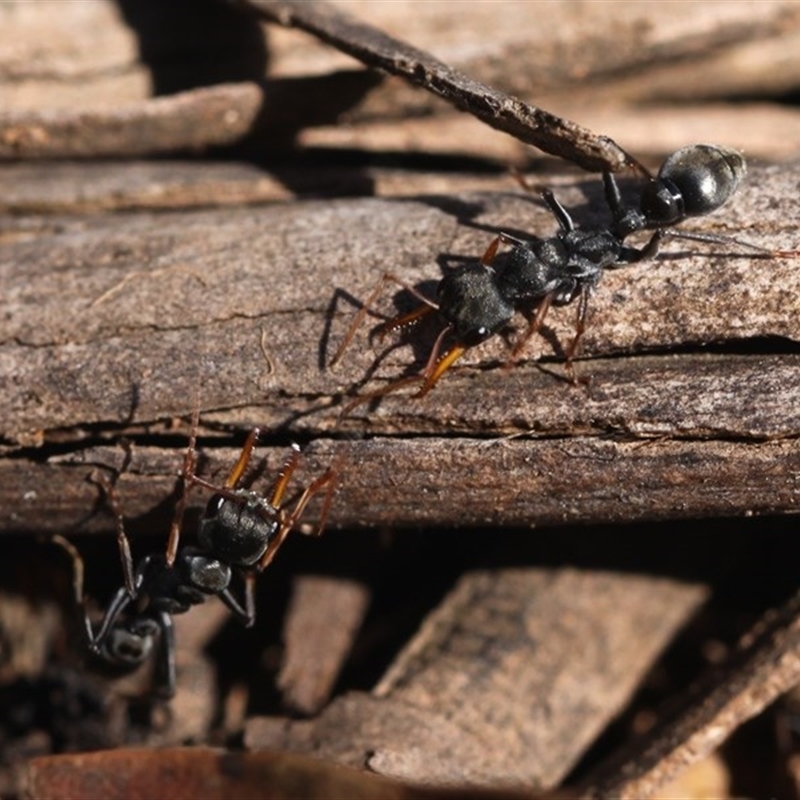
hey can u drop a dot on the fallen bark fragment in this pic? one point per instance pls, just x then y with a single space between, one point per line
506 683
766 666
321 623
188 121
207 774
440 481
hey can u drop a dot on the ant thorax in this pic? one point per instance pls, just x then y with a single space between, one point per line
175 589
238 529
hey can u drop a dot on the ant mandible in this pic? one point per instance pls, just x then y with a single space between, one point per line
479 299
239 530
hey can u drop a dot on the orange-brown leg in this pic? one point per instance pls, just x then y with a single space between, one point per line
228 488
279 489
187 480
368 396
358 320
288 521
434 369
491 251
534 324
110 490
440 367
580 329
244 459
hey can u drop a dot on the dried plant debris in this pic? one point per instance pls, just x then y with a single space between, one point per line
765 666
445 713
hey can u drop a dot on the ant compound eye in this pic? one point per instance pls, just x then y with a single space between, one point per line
214 506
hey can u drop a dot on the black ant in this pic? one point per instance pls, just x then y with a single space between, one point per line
479 299
239 530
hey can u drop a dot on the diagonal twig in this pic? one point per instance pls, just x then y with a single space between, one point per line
548 132
766 666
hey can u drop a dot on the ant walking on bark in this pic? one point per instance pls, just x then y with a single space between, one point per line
479 299
239 531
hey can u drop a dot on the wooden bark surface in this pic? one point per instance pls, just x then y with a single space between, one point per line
493 689
765 666
100 313
631 70
128 288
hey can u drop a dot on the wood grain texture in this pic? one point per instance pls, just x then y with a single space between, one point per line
442 481
505 683
765 666
99 315
630 70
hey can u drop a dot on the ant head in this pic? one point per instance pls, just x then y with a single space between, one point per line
237 530
693 181
470 300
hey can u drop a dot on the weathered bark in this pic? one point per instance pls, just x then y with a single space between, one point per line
112 324
619 68
506 682
99 317
765 667
209 773
441 481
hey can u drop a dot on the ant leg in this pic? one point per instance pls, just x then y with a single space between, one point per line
444 363
187 479
123 543
226 490
434 369
559 212
719 238
165 677
244 459
279 489
246 614
367 308
324 481
366 398
580 329
491 251
119 603
613 194
631 255
77 584
533 326
404 319
77 566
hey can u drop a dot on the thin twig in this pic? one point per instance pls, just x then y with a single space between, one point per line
766 666
554 135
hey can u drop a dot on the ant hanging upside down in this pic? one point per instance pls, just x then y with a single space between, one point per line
479 299
240 530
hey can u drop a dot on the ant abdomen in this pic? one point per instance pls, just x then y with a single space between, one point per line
693 181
